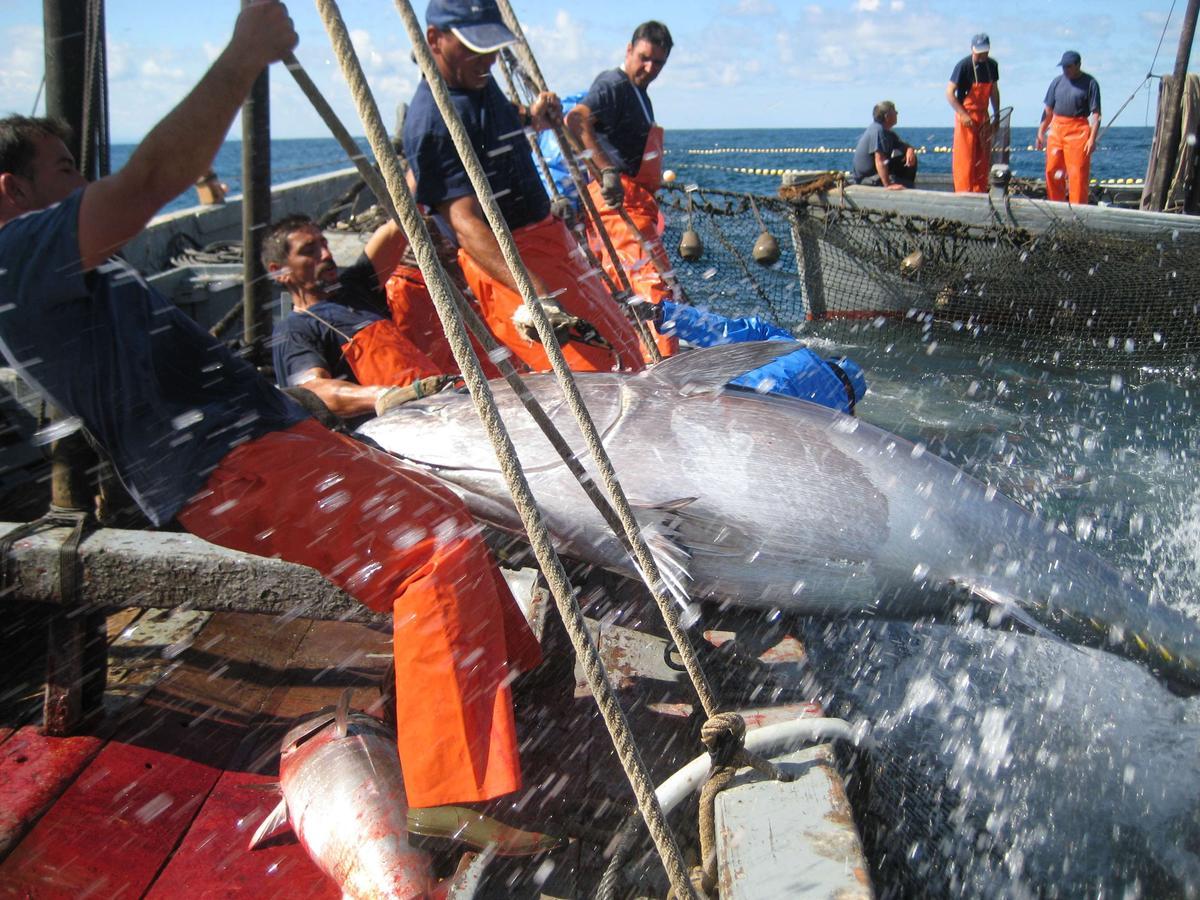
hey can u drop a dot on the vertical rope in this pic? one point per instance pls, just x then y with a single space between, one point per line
476 383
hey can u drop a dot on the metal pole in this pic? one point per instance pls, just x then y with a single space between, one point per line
64 22
256 214
1168 141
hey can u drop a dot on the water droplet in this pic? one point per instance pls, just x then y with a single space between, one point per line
56 431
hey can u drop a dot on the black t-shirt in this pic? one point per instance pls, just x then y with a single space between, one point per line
621 115
966 74
314 339
499 140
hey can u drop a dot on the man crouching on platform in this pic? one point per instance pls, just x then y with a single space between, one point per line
197 436
339 341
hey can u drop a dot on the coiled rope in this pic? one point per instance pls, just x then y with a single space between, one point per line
480 391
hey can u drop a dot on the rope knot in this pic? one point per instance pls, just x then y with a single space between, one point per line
723 735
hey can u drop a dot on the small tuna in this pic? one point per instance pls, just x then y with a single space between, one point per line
343 796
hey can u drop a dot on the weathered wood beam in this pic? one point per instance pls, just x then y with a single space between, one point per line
121 568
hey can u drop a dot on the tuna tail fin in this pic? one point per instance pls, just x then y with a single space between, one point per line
708 370
275 822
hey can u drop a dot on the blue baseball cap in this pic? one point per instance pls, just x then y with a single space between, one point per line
477 23
1070 58
981 43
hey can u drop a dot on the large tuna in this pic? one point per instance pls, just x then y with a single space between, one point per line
782 504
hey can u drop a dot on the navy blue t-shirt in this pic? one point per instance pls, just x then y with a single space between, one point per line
302 341
622 116
163 397
876 139
966 75
1075 99
499 140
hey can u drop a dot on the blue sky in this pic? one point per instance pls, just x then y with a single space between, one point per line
736 64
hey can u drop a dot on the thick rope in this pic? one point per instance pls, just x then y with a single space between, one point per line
643 557
375 182
572 152
480 391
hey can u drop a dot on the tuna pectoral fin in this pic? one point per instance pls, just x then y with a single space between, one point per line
1000 606
467 878
271 825
710 369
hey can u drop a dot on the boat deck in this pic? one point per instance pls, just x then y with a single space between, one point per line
158 795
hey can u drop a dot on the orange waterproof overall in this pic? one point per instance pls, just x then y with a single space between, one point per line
416 317
1067 159
972 155
380 354
396 540
643 272
549 250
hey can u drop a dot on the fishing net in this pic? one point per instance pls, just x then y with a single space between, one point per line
1068 292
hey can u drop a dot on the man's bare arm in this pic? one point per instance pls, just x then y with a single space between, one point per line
181 147
343 398
474 234
579 123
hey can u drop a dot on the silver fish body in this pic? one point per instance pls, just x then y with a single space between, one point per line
783 504
343 795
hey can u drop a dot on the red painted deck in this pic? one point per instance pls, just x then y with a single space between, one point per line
158 798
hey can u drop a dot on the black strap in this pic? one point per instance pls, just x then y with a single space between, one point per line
845 380
69 580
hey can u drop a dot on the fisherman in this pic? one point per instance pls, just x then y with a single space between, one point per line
210 190
464 36
974 84
200 438
339 340
1072 116
881 157
615 121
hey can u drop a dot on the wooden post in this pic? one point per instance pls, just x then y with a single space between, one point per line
1168 140
256 214
808 264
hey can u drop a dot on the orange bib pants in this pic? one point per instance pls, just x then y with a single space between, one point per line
1068 162
549 250
396 540
972 155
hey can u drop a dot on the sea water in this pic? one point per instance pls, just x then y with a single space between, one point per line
1071 772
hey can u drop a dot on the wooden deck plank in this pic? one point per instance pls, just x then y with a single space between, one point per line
138 797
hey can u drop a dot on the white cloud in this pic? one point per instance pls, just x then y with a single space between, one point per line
752 8
21 63
867 5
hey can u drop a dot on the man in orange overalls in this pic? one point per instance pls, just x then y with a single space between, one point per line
1072 118
615 121
200 438
972 88
465 36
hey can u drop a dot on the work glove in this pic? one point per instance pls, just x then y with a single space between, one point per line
641 308
611 188
390 398
561 321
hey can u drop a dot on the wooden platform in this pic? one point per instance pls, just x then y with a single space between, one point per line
157 797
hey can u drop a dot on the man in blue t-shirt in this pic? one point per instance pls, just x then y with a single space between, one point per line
973 86
1072 116
615 121
198 437
881 158
464 37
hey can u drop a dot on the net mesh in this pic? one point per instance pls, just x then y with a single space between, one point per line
1067 292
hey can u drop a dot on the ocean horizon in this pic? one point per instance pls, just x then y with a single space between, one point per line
727 159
